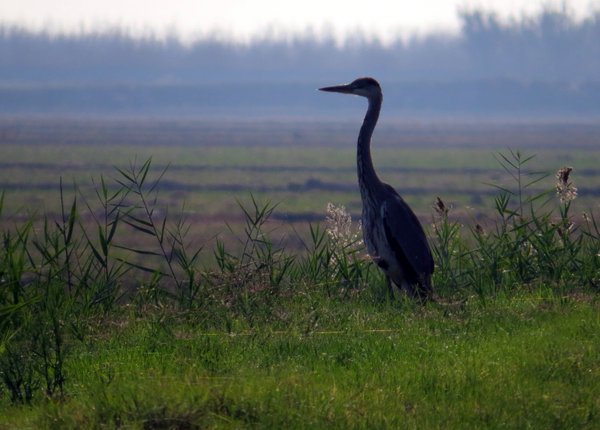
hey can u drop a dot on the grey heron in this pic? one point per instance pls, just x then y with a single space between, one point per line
392 233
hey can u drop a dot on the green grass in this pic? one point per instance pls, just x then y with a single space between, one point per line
113 313
519 362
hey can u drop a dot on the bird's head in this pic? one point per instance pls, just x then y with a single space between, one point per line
365 87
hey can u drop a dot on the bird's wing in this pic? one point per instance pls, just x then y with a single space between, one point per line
405 234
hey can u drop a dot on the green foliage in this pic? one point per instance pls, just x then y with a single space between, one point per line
528 244
58 277
62 281
523 362
257 274
334 259
145 217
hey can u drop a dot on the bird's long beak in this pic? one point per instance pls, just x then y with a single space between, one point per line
345 89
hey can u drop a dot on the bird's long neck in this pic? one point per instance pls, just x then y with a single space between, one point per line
367 177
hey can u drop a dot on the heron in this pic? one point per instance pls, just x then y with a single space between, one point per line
393 235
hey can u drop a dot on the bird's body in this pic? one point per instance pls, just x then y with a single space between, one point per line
392 233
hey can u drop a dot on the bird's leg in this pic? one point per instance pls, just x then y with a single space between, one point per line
390 287
418 292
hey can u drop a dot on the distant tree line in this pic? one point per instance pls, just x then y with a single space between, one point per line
551 46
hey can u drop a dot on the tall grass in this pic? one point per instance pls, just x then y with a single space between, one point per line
60 279
533 241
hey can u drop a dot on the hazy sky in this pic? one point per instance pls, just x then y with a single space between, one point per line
244 19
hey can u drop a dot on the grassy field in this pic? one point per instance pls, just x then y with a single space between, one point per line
110 319
531 361
301 165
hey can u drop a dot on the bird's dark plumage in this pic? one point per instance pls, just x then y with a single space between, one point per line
394 236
